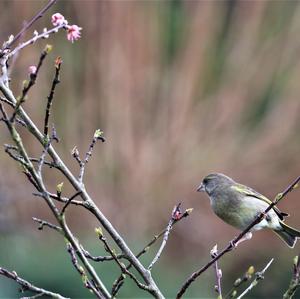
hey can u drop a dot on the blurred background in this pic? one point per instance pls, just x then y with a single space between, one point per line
181 89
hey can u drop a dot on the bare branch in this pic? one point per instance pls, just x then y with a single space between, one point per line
98 135
43 157
27 286
232 244
218 272
27 85
50 164
121 265
32 297
55 81
119 282
61 199
100 258
175 214
46 223
259 276
87 283
239 281
32 21
47 145
295 281
10 150
4 100
69 201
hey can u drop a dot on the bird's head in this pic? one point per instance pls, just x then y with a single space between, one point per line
212 181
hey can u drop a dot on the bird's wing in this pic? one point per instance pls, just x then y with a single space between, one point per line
252 193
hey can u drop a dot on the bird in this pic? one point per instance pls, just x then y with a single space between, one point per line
239 205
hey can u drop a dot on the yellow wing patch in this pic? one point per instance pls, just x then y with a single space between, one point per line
250 192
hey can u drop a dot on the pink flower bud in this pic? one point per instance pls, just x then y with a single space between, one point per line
58 19
177 215
73 33
32 70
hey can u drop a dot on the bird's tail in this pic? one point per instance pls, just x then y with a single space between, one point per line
288 234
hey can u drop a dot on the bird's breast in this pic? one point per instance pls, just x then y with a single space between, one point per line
240 212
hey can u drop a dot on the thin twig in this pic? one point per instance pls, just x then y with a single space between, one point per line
121 265
60 199
232 243
4 100
48 163
100 258
15 57
45 34
218 272
3 111
16 157
31 180
46 223
32 21
295 281
55 81
28 85
239 281
259 276
27 286
69 201
43 157
10 148
32 297
175 211
87 283
47 145
20 121
98 135
120 280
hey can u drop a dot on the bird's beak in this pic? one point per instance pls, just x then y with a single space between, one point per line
201 188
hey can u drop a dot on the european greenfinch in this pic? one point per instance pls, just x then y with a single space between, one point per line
239 205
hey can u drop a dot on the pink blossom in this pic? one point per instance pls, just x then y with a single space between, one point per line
58 19
73 33
32 70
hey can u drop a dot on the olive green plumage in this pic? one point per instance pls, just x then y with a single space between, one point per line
238 205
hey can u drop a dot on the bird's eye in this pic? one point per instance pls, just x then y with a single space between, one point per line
205 181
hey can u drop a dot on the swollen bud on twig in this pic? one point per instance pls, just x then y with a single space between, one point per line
237 282
25 84
48 48
59 188
75 152
248 274
80 269
98 231
251 270
296 260
99 135
233 294
214 251
32 70
278 196
58 62
189 211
